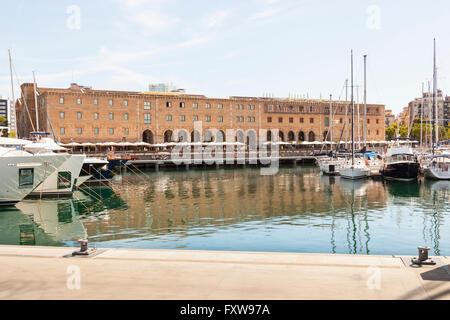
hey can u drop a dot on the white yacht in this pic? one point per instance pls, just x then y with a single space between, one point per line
60 182
438 167
22 172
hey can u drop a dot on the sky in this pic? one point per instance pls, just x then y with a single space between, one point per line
230 48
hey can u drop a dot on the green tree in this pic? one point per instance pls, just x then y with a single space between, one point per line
391 131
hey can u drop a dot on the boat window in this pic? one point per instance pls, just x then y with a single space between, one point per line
64 179
26 177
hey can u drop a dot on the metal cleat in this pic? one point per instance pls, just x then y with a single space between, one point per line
423 257
84 250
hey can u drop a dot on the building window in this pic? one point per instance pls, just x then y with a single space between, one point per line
280 120
220 119
311 109
79 115
95 116
195 118
237 107
311 120
291 120
168 104
208 118
378 120
80 130
147 118
61 115
95 130
61 100
146 105
220 106
125 116
111 130
208 106
96 101
269 119
241 107
327 121
110 102
126 131
111 116
195 105
125 103
79 101
249 119
341 120
169 117
62 130
238 119
242 119
181 104
182 117
368 121
301 120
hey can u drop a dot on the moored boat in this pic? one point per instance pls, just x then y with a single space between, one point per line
22 172
400 164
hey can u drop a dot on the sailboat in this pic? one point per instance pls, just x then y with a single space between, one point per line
438 166
356 168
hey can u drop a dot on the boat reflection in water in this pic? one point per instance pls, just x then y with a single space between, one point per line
296 210
403 188
56 222
57 218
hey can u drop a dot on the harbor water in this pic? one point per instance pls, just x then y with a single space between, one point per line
295 210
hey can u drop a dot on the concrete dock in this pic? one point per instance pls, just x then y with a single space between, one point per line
53 273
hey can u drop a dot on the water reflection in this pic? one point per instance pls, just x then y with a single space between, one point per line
297 210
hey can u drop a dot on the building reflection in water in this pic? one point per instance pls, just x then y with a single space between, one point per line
296 210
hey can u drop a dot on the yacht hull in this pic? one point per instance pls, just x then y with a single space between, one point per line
22 174
61 182
402 171
354 173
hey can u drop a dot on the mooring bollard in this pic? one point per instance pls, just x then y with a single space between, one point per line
84 249
423 257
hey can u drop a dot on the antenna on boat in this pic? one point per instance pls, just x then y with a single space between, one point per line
434 97
35 101
365 102
353 114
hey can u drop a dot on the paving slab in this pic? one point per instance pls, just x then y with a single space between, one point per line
49 273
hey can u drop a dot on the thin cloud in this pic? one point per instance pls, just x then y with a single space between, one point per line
216 19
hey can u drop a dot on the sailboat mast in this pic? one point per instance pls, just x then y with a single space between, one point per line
346 114
421 119
331 122
365 101
353 114
35 102
11 75
434 94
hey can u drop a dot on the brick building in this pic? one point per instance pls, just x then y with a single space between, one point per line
81 114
